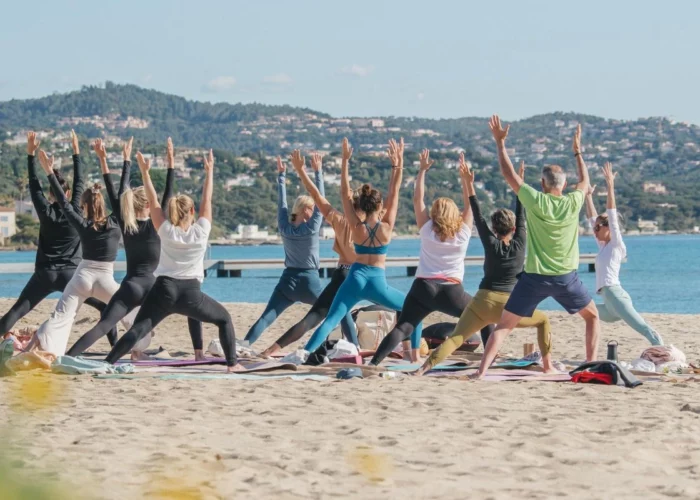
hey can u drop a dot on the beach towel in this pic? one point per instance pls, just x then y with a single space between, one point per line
68 365
7 349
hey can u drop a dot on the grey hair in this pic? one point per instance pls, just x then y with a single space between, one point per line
553 176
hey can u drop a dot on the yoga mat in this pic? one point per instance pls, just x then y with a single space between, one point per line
206 376
174 362
461 365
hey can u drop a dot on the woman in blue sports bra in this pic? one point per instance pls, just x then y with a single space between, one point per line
367 278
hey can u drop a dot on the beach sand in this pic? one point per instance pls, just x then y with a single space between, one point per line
372 438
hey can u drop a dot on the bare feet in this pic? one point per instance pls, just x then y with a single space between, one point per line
267 353
477 375
199 355
139 356
235 369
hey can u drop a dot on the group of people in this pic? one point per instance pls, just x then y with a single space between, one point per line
530 255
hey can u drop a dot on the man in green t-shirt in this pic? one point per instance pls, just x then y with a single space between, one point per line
552 249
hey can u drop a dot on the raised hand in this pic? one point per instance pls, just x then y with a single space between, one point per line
347 150
499 133
209 162
170 153
316 162
46 162
144 164
608 174
298 161
100 149
465 170
591 190
32 143
521 171
126 149
395 153
74 140
281 168
425 161
577 140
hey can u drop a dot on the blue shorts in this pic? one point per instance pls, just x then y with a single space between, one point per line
531 289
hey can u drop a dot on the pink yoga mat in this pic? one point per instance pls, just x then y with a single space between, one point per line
175 362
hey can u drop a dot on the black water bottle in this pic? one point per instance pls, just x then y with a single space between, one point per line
612 350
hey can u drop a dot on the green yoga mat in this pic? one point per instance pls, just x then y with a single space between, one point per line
506 365
207 376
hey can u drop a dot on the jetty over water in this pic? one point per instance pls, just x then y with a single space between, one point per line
233 268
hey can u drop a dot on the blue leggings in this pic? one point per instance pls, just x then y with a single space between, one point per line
295 285
617 305
363 283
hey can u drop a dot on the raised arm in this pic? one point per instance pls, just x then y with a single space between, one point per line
73 216
157 214
520 227
422 215
613 222
583 180
282 209
507 170
466 175
125 180
319 199
591 212
78 184
41 204
205 210
391 205
316 164
168 192
345 190
99 148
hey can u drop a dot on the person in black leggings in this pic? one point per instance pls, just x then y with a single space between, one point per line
180 271
59 252
142 247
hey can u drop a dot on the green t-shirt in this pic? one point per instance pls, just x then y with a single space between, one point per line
552 231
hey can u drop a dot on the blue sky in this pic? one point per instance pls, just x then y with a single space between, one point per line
614 58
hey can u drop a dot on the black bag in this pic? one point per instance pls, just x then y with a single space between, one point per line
619 374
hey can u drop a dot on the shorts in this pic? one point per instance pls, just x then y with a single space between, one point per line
531 289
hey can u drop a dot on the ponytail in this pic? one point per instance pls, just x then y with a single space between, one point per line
93 205
179 209
126 206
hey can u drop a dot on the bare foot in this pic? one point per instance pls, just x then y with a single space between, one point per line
476 376
139 356
267 353
199 355
234 369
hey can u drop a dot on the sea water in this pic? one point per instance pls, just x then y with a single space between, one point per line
662 273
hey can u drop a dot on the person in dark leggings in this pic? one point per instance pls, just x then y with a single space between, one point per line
142 247
342 246
177 290
299 281
59 253
445 234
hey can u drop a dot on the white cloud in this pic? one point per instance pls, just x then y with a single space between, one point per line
420 96
357 70
220 84
278 79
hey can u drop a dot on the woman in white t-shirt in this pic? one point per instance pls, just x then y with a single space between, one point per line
180 272
617 304
444 237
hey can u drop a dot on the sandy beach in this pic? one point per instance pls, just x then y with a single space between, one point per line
371 438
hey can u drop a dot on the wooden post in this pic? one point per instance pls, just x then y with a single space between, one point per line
235 273
411 270
591 267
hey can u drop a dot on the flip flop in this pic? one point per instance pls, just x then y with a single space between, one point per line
7 350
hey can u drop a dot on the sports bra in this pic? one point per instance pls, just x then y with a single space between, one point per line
373 248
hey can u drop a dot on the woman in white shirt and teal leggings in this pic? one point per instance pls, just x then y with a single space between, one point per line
617 304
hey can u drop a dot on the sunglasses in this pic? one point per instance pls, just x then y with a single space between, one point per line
599 225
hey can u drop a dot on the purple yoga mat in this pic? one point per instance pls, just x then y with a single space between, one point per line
175 362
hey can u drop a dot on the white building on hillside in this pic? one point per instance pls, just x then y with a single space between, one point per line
251 232
8 226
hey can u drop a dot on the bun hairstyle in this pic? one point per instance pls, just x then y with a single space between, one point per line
370 199
93 205
503 222
446 217
180 209
132 202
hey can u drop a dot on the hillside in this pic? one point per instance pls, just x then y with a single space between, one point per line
247 136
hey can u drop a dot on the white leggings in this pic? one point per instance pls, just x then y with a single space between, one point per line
91 279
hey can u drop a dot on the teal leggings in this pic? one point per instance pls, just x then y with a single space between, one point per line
363 283
617 305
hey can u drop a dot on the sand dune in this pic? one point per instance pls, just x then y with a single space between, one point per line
372 438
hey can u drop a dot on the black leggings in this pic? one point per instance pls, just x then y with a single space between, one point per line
425 297
43 283
319 311
172 296
131 294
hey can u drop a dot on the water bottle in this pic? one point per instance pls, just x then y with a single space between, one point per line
612 350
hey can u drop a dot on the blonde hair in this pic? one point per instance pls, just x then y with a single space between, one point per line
179 209
132 202
446 217
302 202
92 204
